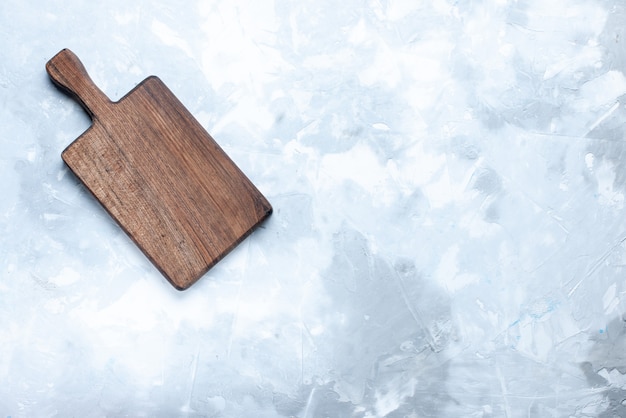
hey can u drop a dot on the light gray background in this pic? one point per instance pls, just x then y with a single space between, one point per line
449 234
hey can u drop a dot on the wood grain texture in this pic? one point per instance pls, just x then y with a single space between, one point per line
159 174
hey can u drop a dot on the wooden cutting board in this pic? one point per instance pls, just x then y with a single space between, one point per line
159 174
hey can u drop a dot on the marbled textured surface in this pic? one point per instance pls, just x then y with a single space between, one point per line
449 234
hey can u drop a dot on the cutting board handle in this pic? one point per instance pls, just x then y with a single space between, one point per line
67 72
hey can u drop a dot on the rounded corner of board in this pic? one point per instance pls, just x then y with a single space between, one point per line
65 154
181 288
152 79
182 285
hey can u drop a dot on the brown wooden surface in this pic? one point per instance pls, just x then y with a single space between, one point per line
159 174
